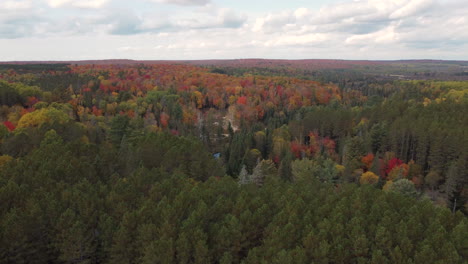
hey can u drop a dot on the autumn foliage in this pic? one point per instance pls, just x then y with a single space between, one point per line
174 163
367 160
368 178
394 162
9 125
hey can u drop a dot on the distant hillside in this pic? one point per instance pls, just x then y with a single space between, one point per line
256 62
308 68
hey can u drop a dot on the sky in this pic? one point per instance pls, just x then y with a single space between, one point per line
233 29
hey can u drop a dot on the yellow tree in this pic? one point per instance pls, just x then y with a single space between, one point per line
368 178
41 116
198 98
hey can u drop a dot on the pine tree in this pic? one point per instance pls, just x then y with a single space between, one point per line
378 257
284 170
452 183
74 241
124 247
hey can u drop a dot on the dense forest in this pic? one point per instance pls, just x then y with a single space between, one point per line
179 163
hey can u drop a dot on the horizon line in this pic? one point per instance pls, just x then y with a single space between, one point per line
232 59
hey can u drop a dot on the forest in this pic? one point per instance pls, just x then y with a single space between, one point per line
178 162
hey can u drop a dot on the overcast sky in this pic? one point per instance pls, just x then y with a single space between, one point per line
232 29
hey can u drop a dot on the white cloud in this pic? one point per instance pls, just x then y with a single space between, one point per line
184 2
152 29
93 4
302 12
12 5
338 12
412 8
384 36
128 49
274 22
205 19
364 23
57 3
90 3
293 40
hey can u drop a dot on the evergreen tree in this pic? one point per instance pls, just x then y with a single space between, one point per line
284 170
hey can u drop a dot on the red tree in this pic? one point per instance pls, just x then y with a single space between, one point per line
9 125
392 164
242 100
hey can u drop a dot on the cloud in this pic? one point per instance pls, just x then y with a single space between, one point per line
57 3
10 5
297 40
356 17
93 4
121 22
205 19
384 36
24 19
366 23
184 2
366 29
274 22
18 18
230 19
415 7
357 10
128 49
